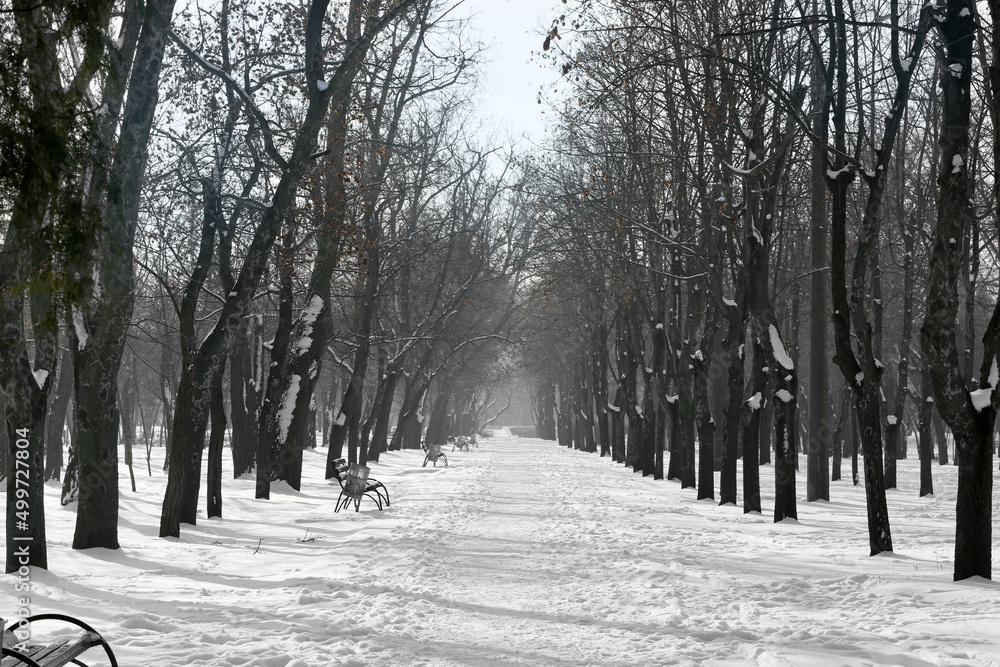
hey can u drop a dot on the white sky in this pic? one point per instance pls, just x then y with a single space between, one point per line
512 30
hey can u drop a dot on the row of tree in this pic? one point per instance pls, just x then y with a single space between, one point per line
742 201
241 225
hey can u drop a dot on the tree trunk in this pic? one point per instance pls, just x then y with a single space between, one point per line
274 461
855 445
751 432
243 399
733 344
838 440
55 419
706 424
409 424
215 445
546 411
97 419
925 438
817 461
618 428
971 417
766 423
439 424
600 381
380 431
941 436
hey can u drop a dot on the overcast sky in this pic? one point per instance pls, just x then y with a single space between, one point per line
512 31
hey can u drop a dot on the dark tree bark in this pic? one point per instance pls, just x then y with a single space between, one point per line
839 438
189 346
971 416
409 425
599 365
346 427
244 398
439 423
273 426
382 412
564 426
701 363
55 418
215 446
855 445
706 424
895 432
654 413
759 222
751 431
941 437
546 411
733 345
818 443
584 403
925 437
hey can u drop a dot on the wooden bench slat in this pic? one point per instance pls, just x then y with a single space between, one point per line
55 654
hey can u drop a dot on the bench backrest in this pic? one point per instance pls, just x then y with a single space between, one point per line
433 451
357 480
340 468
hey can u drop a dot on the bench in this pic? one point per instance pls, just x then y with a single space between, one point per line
60 651
433 454
461 444
355 485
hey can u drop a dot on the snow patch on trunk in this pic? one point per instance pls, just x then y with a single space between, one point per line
40 377
981 398
288 408
308 318
778 349
80 328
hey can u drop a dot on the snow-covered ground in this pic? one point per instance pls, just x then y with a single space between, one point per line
522 553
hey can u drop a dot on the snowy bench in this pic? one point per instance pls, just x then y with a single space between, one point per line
62 651
434 453
355 485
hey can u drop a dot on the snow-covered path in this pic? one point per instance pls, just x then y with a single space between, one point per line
541 561
524 553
